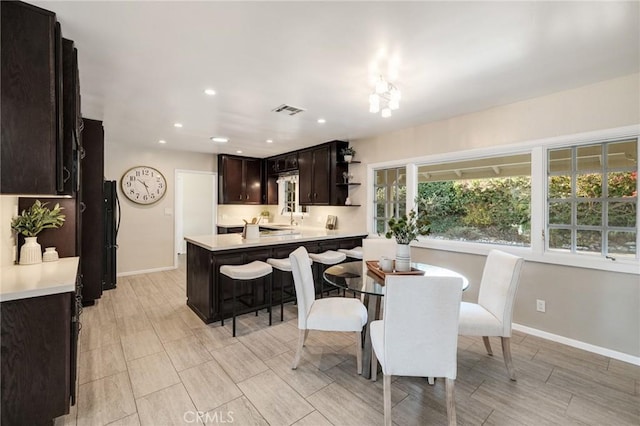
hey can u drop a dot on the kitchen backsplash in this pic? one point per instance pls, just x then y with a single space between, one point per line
348 219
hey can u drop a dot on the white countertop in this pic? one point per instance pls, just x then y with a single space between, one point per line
41 279
234 241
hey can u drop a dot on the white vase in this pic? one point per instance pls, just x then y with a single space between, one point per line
50 254
348 158
31 252
403 258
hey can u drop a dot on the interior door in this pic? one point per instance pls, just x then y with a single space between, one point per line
196 210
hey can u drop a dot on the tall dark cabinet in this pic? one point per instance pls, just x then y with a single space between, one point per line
30 96
93 249
41 145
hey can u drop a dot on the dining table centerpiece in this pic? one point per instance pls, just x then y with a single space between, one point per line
406 229
30 223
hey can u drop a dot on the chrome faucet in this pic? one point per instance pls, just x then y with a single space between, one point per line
292 222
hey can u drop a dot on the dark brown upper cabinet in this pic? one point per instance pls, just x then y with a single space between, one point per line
282 163
72 119
319 172
240 180
31 161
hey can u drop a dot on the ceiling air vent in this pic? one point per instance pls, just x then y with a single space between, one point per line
288 109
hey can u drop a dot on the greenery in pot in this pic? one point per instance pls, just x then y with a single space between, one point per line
38 217
407 228
348 151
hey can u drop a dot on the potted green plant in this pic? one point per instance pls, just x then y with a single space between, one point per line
406 229
348 153
30 223
264 216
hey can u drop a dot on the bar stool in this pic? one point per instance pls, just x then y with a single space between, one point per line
283 269
323 261
354 253
245 273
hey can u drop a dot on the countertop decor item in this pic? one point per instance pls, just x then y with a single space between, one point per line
406 229
143 185
30 223
50 255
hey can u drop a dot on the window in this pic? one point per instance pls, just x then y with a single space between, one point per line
390 193
484 200
567 200
592 199
289 196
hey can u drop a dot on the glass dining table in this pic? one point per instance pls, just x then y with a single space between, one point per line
354 277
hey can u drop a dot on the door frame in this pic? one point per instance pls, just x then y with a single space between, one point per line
178 206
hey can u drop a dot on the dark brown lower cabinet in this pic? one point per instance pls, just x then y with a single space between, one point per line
209 292
37 369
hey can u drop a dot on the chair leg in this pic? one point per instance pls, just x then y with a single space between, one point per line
359 351
281 274
374 365
270 296
306 334
233 309
451 401
302 335
506 354
386 384
487 345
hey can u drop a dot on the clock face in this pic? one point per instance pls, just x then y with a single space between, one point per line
143 185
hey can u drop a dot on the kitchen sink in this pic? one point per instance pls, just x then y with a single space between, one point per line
279 232
278 226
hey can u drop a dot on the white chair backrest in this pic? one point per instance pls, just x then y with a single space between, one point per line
375 248
421 316
498 286
303 280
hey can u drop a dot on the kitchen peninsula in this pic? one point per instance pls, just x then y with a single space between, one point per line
208 291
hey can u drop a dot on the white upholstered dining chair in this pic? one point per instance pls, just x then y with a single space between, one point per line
492 315
419 333
328 314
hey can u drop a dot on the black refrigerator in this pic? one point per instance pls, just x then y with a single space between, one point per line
111 225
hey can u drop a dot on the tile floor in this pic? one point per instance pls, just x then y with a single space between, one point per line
146 359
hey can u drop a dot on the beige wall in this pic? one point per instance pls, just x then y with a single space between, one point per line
596 307
146 237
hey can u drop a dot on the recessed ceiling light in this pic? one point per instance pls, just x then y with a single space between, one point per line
269 140
321 121
178 125
210 92
162 141
239 152
219 139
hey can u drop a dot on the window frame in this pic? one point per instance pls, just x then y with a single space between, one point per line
538 149
387 203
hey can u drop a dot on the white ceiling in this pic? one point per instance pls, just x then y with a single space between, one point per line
144 65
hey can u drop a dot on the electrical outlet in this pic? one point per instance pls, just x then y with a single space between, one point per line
541 305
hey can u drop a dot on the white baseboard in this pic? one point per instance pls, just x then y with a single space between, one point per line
146 271
621 356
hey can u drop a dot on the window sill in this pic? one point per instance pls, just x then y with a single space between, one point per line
626 266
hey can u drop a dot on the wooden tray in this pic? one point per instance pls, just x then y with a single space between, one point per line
373 266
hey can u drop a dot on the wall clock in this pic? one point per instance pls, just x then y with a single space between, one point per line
143 185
